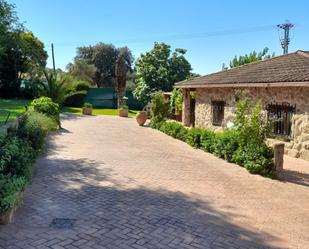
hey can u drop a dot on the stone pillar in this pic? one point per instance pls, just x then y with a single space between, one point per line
278 156
186 107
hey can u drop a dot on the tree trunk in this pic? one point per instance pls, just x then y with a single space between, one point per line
121 77
120 95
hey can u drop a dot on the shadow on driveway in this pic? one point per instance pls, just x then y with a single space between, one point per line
109 214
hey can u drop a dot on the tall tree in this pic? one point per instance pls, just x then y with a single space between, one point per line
122 67
21 53
103 57
159 69
81 70
252 57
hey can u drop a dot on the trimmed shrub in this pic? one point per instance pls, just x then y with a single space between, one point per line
226 144
208 141
124 107
46 106
9 187
18 150
87 105
159 107
17 157
80 86
174 129
80 90
257 159
194 137
34 127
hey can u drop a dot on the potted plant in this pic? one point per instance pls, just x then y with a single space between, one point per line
141 118
123 111
87 109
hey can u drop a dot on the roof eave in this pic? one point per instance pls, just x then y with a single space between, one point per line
273 84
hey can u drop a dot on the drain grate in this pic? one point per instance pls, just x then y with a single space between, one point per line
62 223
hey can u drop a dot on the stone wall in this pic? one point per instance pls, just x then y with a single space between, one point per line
299 96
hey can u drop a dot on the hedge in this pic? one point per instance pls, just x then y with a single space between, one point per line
257 158
19 148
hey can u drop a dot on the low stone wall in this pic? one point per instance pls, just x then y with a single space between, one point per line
299 96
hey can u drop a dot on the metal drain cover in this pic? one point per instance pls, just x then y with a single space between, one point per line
62 223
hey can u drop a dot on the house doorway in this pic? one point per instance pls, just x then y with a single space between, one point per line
192 111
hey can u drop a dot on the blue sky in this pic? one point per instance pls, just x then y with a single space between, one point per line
139 23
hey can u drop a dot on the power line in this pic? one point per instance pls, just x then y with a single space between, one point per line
180 36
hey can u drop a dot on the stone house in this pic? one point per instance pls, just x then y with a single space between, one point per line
281 84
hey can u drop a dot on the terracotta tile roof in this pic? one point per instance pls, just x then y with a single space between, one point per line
293 67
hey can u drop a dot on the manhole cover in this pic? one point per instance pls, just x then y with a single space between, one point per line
62 223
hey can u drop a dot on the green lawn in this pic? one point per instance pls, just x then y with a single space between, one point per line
77 110
13 106
17 106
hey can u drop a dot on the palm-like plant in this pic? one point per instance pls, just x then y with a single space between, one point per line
58 88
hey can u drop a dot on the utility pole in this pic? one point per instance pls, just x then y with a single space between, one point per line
285 38
53 57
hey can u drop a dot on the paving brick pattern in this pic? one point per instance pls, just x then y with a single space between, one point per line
126 186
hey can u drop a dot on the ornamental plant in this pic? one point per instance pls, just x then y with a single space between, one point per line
159 109
176 101
124 107
46 106
87 105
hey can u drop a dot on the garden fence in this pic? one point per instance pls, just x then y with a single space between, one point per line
107 98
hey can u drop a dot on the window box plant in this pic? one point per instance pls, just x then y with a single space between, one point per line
87 109
123 111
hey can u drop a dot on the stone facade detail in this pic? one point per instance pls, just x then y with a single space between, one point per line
298 146
186 108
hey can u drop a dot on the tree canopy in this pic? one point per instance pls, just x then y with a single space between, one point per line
159 69
81 70
103 57
21 53
252 57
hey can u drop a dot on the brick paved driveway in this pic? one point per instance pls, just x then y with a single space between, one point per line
127 186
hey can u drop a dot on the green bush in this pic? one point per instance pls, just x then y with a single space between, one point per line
257 159
34 127
18 150
253 128
87 105
174 129
156 123
46 106
226 144
159 107
17 157
79 91
208 141
244 144
9 187
194 137
124 107
176 101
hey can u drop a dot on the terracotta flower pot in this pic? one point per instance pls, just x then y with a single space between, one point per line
141 118
87 111
123 113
